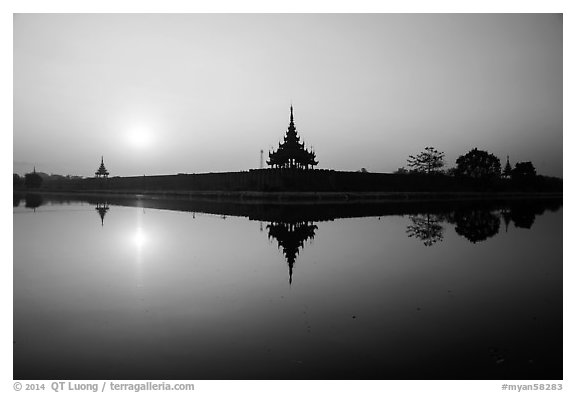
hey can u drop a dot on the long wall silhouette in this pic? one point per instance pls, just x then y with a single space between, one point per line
279 180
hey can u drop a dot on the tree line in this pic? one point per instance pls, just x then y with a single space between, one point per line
476 164
29 180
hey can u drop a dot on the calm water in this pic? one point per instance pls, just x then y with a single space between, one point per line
135 289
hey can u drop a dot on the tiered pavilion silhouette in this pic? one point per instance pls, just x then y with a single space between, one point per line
291 153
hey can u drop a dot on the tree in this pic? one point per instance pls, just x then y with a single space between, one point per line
478 164
17 180
32 180
429 161
523 170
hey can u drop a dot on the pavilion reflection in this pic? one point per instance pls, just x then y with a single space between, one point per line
102 208
291 237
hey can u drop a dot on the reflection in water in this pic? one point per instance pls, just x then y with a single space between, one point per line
522 218
476 225
476 221
33 201
427 228
211 308
17 198
524 214
139 238
291 237
102 209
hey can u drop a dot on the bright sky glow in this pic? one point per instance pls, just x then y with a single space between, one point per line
139 137
171 93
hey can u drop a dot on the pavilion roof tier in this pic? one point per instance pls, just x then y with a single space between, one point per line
291 153
102 172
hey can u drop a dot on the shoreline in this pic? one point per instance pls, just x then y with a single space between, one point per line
295 196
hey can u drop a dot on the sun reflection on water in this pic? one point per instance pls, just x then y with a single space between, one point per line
139 238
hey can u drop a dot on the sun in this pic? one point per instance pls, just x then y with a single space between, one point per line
139 137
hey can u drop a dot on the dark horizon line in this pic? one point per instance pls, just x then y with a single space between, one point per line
240 171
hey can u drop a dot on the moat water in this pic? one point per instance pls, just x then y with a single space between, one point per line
113 288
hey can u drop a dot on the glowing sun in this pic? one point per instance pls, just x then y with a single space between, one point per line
139 137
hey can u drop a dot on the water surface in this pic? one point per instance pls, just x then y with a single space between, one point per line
115 288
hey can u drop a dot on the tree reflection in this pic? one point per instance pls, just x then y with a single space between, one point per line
32 201
16 199
523 214
427 228
291 236
476 225
522 218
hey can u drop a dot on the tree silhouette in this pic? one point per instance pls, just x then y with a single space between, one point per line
17 180
523 170
32 180
478 164
427 228
428 161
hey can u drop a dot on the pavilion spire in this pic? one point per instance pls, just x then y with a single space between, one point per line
102 172
507 172
291 153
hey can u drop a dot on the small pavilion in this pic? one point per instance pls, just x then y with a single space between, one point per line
507 172
291 153
102 173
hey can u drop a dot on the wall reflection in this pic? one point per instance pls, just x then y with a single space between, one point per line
291 225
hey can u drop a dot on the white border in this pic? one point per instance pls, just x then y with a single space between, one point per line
182 6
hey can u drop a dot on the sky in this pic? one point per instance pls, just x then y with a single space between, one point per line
192 93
